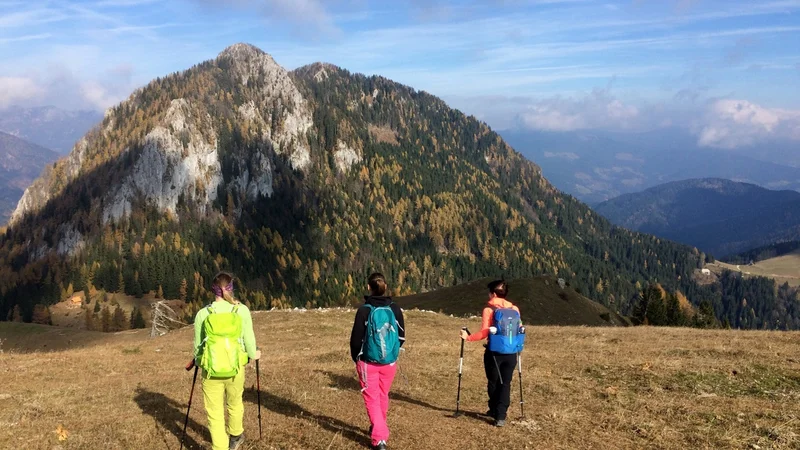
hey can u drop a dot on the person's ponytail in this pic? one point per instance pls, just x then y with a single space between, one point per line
223 287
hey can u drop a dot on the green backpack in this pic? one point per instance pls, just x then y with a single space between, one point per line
223 356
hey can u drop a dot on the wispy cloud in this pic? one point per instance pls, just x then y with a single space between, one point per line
123 3
542 64
24 38
30 18
301 13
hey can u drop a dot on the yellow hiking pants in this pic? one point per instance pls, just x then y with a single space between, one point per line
219 395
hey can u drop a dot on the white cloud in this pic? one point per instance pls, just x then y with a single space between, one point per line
569 156
598 109
18 89
60 87
98 96
739 123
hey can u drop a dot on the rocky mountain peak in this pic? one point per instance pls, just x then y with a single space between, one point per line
242 51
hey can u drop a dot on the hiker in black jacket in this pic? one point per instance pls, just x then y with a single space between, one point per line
375 375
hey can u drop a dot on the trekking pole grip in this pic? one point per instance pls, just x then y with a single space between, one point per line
190 366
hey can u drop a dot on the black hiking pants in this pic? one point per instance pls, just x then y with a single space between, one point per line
499 372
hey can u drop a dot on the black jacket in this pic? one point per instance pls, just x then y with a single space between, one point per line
360 324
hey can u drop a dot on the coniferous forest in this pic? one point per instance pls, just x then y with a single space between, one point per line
434 198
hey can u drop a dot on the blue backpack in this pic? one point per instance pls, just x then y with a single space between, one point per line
508 340
382 342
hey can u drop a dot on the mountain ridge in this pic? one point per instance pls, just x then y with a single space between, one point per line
20 163
301 183
48 126
596 165
720 216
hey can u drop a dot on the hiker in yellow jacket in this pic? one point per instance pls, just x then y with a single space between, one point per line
223 372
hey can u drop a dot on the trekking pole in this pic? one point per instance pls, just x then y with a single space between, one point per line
460 366
258 395
191 394
519 369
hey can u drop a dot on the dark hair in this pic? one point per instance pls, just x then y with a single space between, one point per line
377 284
498 288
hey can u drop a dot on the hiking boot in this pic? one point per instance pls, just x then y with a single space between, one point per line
500 423
381 445
234 442
489 413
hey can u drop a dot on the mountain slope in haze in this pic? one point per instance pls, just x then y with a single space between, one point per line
302 183
718 216
48 126
20 163
596 166
541 302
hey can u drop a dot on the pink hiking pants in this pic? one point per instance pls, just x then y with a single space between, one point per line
376 381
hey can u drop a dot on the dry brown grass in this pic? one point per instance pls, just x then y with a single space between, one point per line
783 269
384 134
602 388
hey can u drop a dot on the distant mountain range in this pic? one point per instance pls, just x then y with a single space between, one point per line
48 126
20 163
717 216
596 166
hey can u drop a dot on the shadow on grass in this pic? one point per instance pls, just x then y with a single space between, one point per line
290 409
170 415
346 382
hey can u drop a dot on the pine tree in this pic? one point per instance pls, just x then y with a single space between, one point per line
137 321
41 315
119 321
183 291
653 308
97 306
160 293
16 316
120 283
88 320
105 320
675 316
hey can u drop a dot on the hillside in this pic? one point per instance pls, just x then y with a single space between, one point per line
600 388
763 253
720 217
596 166
48 126
20 163
302 183
783 269
541 302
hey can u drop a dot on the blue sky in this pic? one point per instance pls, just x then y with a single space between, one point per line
726 70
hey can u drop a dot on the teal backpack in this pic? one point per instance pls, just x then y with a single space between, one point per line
382 342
